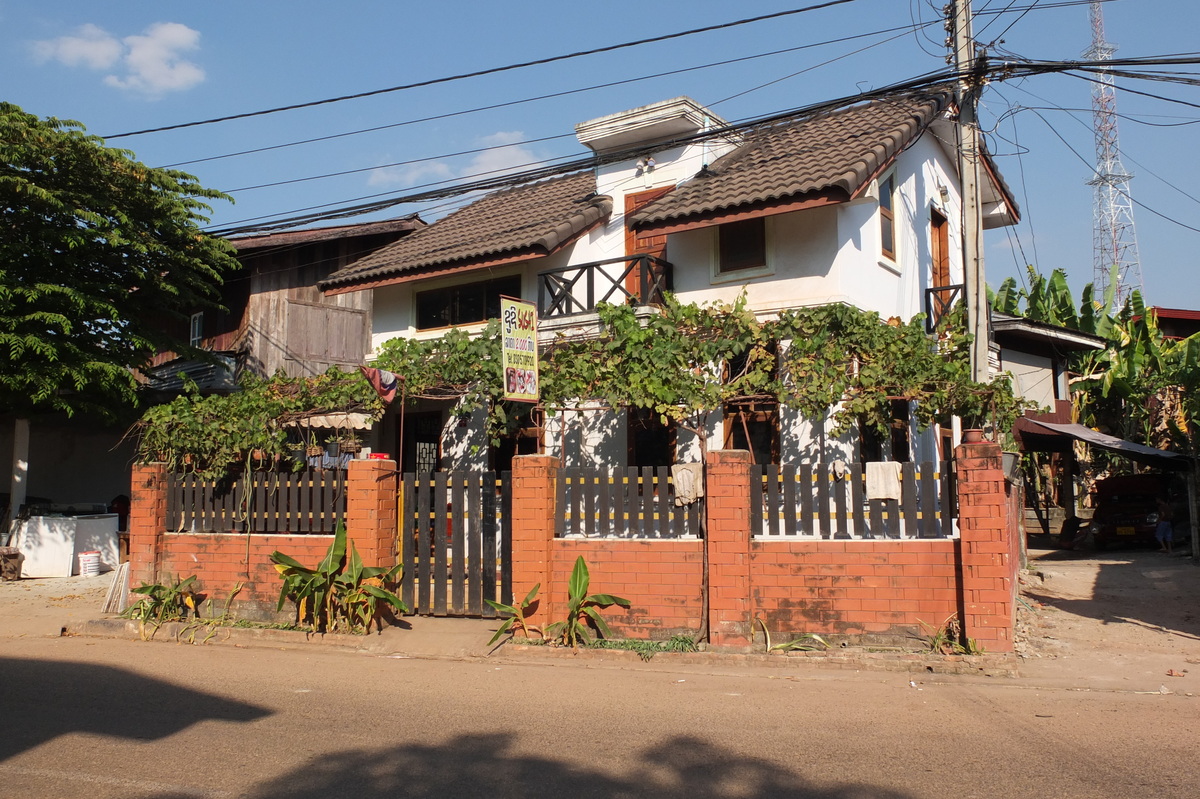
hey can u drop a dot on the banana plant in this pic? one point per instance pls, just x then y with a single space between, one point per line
340 592
516 616
583 610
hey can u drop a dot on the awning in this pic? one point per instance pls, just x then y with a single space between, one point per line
338 421
1151 456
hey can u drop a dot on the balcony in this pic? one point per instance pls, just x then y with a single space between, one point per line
578 289
938 302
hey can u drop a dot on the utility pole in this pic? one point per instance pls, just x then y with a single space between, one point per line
970 82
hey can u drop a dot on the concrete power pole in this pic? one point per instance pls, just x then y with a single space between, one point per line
970 83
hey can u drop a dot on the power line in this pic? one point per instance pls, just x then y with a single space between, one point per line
538 62
511 179
490 71
568 92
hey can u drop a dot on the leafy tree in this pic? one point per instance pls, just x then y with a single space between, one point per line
99 255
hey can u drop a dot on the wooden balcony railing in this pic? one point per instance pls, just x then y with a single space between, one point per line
634 279
938 302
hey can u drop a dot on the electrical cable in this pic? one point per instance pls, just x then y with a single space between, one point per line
914 84
568 92
490 71
1124 194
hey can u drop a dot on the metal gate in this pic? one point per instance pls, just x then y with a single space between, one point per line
455 542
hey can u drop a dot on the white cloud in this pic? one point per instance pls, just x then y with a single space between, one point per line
504 154
91 46
151 63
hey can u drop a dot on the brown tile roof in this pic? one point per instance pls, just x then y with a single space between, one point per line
835 153
292 237
528 221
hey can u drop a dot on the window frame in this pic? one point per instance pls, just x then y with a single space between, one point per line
490 284
721 272
887 214
196 329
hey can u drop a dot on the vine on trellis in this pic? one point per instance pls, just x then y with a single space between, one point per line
684 360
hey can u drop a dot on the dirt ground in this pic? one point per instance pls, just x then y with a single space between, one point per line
1121 620
1124 620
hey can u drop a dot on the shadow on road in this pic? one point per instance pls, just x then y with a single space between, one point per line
43 699
485 766
1145 588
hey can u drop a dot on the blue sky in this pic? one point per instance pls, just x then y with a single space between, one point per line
119 67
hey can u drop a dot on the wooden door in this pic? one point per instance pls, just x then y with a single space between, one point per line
642 243
939 246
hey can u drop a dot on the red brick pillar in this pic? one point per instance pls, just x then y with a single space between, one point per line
371 510
727 491
533 512
147 521
986 547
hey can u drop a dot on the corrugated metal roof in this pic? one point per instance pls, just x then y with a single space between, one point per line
527 221
837 153
293 237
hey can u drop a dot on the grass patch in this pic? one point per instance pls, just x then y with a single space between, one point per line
647 649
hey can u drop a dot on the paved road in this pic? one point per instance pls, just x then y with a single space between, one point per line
103 718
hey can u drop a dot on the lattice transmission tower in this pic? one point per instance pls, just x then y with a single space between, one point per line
1114 240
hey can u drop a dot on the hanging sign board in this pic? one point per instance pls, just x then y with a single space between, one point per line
518 325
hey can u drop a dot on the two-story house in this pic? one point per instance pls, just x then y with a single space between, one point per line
859 205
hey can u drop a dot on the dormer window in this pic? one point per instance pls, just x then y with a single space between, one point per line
742 245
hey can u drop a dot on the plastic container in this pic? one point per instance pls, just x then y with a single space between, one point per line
89 563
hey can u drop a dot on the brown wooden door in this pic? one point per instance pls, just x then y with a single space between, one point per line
939 246
638 243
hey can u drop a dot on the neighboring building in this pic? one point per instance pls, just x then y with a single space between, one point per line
275 317
1177 323
857 206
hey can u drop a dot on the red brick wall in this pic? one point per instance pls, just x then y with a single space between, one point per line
853 587
857 588
220 561
988 565
661 579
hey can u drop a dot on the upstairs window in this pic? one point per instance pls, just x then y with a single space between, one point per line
887 216
196 329
742 245
464 304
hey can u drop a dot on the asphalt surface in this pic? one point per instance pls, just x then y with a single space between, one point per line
114 718
1093 714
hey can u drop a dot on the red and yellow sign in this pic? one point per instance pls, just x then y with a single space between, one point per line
518 326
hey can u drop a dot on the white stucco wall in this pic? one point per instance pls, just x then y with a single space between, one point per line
1032 376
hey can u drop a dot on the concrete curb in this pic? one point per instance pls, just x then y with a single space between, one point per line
436 644
192 633
845 659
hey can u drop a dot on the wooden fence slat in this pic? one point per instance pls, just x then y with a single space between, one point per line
789 499
506 590
841 498
662 502
756 500
475 545
560 502
407 533
458 543
825 483
630 504
604 524
293 502
438 553
646 484
806 500
424 542
487 550
909 502
947 501
588 483
858 503
774 503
